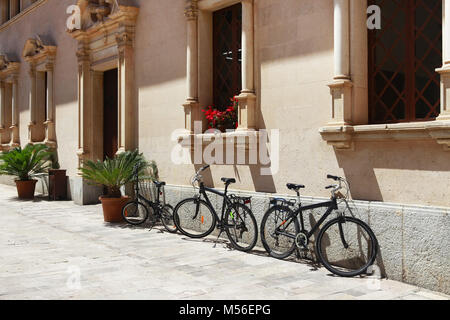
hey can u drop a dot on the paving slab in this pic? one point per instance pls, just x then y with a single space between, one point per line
58 250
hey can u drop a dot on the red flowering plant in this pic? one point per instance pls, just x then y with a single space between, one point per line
222 120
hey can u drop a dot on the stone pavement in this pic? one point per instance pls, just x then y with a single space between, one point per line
57 250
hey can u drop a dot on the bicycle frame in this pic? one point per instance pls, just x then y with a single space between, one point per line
331 205
152 204
227 203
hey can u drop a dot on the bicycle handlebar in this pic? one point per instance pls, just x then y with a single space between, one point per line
197 176
335 178
203 168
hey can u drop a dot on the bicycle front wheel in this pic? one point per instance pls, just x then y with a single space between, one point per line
279 228
167 219
194 218
135 213
241 227
346 246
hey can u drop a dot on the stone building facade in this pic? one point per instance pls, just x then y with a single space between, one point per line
333 96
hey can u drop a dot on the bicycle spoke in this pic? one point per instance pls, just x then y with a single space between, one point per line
243 233
349 257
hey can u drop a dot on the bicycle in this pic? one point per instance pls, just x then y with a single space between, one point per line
346 246
197 218
136 212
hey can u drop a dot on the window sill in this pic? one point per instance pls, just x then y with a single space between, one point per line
243 139
343 137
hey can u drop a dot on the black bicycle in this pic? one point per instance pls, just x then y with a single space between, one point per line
345 245
136 212
196 218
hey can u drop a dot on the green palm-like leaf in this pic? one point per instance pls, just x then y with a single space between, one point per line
26 163
115 173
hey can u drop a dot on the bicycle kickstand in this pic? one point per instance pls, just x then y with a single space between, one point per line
220 233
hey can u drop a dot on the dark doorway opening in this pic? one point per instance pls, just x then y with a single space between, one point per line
110 113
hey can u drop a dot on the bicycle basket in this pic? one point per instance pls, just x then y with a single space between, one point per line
148 189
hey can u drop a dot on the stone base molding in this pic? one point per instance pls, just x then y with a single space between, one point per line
246 111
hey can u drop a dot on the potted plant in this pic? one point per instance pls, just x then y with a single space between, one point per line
222 120
112 174
26 164
57 186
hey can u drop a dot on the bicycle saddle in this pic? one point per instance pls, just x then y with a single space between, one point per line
159 184
229 180
295 187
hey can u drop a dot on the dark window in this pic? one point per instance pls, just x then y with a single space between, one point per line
403 56
227 55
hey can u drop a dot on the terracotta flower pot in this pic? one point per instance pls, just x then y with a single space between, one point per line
25 189
112 208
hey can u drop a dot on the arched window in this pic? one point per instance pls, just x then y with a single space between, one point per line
403 56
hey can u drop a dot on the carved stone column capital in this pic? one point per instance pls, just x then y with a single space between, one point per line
124 38
191 11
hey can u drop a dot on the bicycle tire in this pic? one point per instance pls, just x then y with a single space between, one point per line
191 224
248 220
133 215
167 219
334 267
269 240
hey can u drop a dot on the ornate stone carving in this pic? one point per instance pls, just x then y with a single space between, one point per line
191 11
33 47
36 51
96 11
4 62
124 39
7 67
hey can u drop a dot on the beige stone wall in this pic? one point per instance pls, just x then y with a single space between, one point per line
48 20
293 65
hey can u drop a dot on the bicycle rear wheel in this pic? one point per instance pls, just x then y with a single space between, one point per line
241 227
279 228
135 213
194 218
346 246
167 218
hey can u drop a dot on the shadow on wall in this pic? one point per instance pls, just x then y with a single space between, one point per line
262 183
359 165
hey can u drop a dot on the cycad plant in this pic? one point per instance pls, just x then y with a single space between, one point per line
114 173
26 163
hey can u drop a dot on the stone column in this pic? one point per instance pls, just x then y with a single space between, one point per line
50 133
2 106
4 14
25 3
126 103
14 8
15 138
341 87
440 130
191 106
32 123
445 70
247 98
84 105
